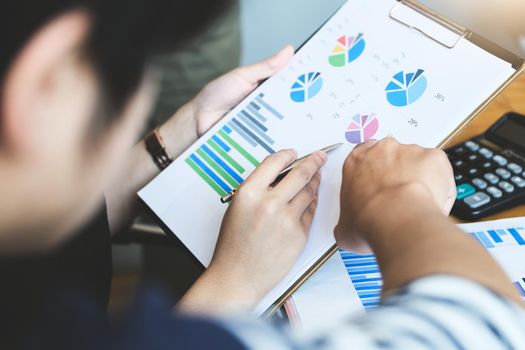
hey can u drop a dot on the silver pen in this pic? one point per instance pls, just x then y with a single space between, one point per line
227 198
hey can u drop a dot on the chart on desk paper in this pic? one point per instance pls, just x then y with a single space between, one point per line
365 276
359 77
222 161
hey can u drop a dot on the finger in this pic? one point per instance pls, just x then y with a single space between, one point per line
259 71
364 146
306 196
308 216
300 175
451 197
270 168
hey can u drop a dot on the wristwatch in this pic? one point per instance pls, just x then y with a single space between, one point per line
157 149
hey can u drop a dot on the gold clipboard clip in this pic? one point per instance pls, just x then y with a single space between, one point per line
428 23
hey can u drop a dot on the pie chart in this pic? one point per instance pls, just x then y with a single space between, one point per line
406 88
362 128
306 86
348 49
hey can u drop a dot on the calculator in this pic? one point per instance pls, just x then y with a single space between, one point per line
489 169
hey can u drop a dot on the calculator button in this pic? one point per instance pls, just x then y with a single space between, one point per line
477 200
515 168
487 165
479 183
494 192
504 173
459 163
473 158
464 190
518 181
485 152
459 150
500 160
505 186
490 177
473 171
458 177
471 145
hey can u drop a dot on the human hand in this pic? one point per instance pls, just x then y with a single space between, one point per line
222 94
262 234
376 172
215 100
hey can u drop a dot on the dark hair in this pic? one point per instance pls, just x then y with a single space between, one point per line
124 34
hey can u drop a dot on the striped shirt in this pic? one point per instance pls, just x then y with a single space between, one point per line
437 312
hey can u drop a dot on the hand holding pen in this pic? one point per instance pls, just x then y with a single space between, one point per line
227 198
270 220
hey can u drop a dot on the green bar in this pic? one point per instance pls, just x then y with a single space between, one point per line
226 156
218 168
239 148
205 177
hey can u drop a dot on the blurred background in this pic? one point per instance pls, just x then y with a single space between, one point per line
250 32
267 25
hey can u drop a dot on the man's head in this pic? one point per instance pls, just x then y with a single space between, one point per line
75 94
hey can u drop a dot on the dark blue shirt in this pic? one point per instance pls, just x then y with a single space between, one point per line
58 300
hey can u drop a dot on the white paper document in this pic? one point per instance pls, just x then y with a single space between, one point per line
361 76
350 284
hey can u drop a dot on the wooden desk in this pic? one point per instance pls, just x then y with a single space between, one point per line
512 99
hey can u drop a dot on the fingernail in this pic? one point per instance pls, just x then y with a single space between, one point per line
323 156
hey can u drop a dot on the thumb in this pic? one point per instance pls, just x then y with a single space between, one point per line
254 73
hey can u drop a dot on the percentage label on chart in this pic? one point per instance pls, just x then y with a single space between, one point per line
440 97
413 122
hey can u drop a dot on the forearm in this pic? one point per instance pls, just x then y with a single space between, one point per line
218 293
413 239
178 133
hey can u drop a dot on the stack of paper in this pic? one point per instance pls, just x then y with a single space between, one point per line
350 284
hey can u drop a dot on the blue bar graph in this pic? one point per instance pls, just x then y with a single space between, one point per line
255 105
210 173
520 287
242 133
254 121
240 125
365 276
224 146
500 237
254 128
254 109
516 236
495 236
236 148
270 109
485 240
223 165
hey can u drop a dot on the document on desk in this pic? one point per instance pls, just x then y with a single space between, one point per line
350 284
360 76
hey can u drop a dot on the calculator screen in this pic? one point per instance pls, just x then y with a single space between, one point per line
512 131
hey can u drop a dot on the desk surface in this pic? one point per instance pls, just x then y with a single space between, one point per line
512 99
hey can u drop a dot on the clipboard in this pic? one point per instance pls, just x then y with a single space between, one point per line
448 34
192 173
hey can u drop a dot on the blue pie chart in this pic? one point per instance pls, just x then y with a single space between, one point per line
406 88
306 86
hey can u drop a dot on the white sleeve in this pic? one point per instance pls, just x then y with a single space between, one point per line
437 312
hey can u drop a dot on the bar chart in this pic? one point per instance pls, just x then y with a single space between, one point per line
364 273
520 286
223 160
500 237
